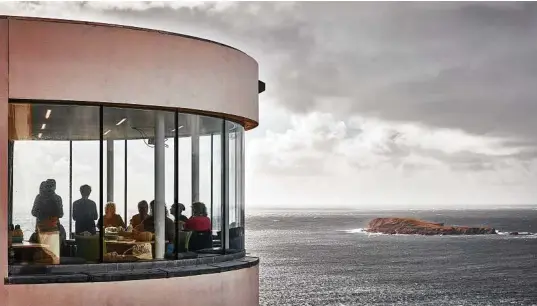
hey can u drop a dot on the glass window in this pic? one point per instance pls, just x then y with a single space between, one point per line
43 165
198 173
235 176
146 231
94 183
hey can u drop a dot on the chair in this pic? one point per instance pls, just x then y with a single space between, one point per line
184 240
87 247
200 240
52 250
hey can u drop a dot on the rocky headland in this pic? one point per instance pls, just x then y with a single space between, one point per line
410 226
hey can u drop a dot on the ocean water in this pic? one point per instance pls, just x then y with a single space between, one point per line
324 258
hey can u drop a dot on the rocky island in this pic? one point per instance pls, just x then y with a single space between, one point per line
412 226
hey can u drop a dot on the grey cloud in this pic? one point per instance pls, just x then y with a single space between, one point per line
464 65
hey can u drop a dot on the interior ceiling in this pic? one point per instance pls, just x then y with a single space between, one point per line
75 122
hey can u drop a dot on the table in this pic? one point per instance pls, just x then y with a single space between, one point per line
26 252
26 245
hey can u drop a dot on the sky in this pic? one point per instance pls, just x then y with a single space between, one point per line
369 105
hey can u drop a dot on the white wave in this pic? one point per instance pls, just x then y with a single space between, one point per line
360 231
356 230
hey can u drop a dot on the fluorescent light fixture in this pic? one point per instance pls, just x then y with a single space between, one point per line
43 126
106 132
121 121
48 113
39 135
178 128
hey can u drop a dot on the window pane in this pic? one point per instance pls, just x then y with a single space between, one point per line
197 174
41 135
136 235
235 162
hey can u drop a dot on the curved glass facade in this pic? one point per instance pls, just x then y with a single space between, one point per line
107 184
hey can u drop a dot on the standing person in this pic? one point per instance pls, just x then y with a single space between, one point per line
85 212
48 206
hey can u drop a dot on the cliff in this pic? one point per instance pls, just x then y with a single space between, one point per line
420 227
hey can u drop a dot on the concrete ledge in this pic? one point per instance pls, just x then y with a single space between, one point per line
130 271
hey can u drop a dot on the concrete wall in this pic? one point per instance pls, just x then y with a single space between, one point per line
3 150
60 60
76 61
233 288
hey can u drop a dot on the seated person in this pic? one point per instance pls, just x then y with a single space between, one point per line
178 208
143 209
149 224
85 212
111 219
199 221
34 238
201 228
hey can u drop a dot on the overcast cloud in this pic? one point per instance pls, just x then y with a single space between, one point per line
372 104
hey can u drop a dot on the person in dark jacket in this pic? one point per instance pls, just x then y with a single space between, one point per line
149 224
180 208
85 212
48 207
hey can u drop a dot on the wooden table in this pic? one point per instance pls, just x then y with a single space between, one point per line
26 245
25 251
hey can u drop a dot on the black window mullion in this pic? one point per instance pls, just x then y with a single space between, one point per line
224 163
101 184
176 181
70 189
125 187
212 176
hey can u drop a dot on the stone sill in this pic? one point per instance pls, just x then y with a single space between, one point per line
112 272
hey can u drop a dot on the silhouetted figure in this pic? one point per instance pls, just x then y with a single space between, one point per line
85 212
178 208
48 207
143 213
169 226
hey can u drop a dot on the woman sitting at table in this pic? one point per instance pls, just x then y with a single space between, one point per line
111 219
199 221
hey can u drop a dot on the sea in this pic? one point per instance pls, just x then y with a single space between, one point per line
323 257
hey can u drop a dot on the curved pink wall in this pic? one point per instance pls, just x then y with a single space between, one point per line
65 60
233 288
3 146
